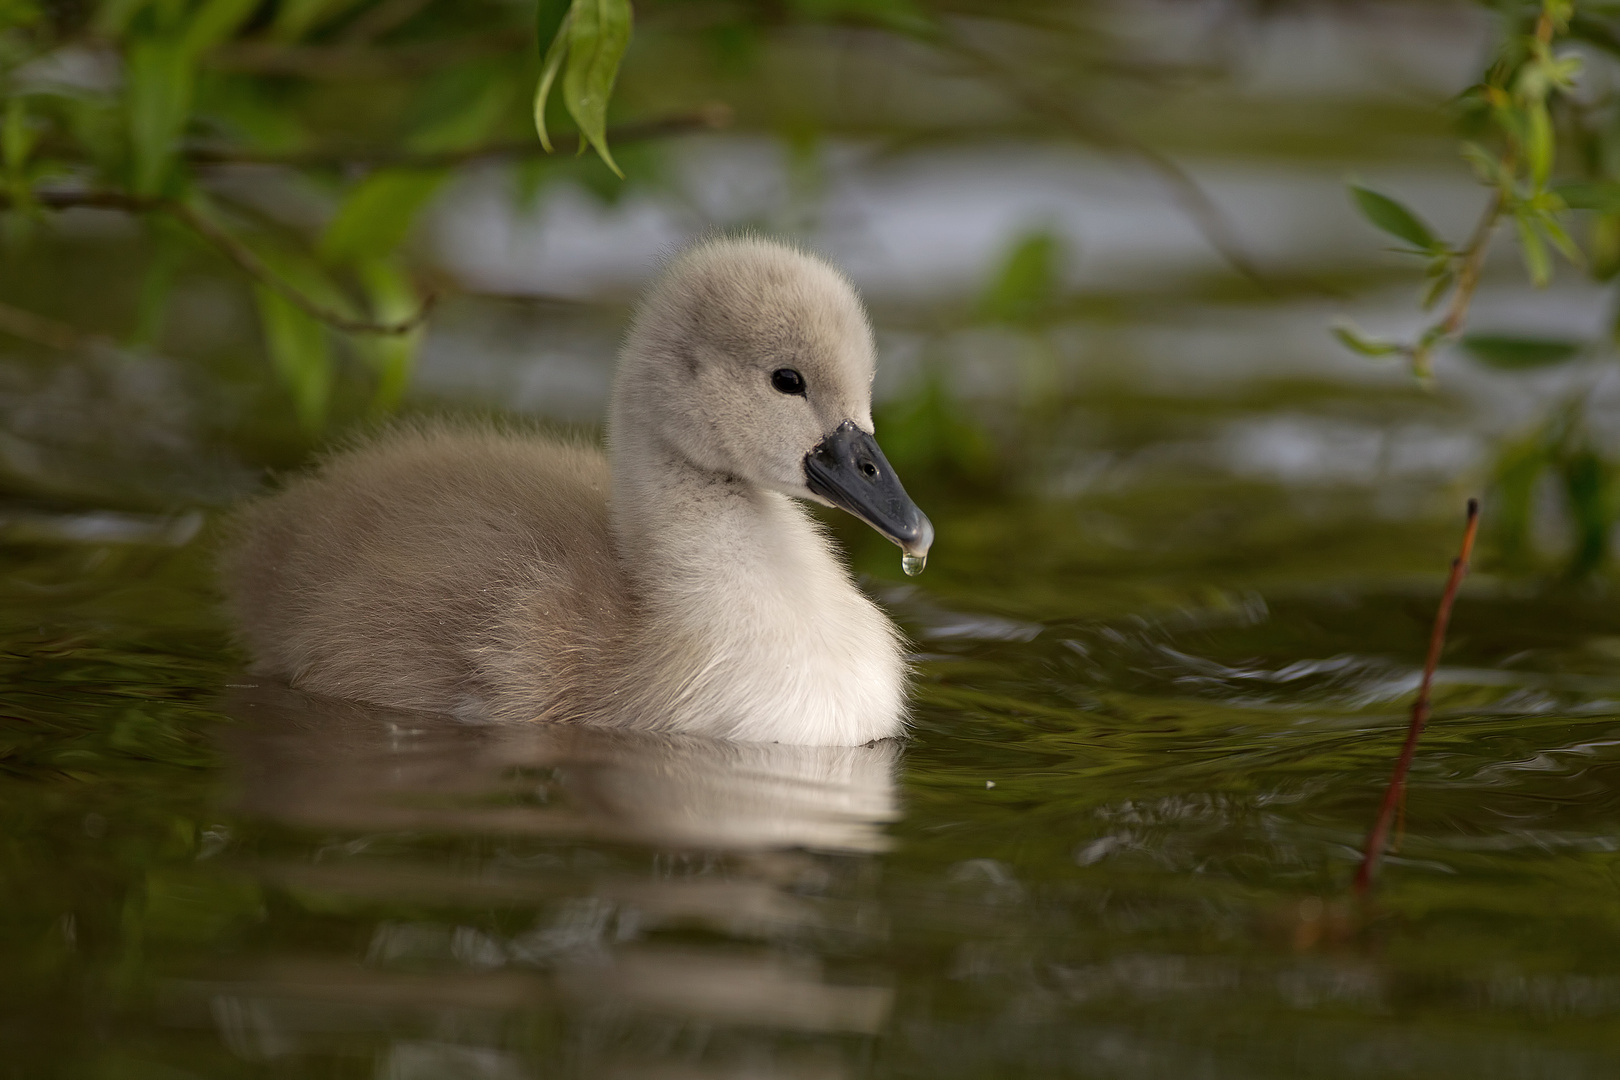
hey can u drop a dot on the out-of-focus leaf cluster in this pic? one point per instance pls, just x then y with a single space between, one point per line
298 143
1542 135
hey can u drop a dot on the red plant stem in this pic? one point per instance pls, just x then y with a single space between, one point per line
1394 795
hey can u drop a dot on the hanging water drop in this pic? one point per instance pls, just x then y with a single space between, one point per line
913 564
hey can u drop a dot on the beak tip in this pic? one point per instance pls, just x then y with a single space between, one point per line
923 540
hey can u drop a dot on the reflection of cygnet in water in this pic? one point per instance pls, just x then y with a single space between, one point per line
387 793
324 763
493 574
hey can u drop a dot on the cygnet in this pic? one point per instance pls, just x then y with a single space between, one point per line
507 575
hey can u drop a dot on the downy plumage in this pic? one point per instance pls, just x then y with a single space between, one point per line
509 575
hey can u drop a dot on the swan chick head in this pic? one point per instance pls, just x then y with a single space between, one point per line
754 360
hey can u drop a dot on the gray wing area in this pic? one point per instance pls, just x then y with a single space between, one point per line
451 569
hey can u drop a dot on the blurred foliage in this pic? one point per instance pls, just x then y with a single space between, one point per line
298 144
1541 130
300 141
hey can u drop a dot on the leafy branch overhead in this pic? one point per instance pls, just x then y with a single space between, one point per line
1547 151
590 37
299 142
1512 144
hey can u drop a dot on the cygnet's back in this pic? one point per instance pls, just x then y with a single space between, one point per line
499 574
395 573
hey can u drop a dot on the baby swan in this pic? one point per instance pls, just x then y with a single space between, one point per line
510 576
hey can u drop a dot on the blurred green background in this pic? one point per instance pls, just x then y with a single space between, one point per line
236 229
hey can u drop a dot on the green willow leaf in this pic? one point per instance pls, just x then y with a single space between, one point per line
1395 219
1509 352
1590 486
378 213
598 34
1026 282
1555 234
167 242
16 137
1539 144
301 354
214 23
555 54
1536 260
159 85
1518 468
1601 196
1437 288
392 298
1352 339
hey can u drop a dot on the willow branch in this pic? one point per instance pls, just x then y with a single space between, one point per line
1395 793
251 265
1473 262
1089 127
229 246
360 61
713 117
381 18
39 329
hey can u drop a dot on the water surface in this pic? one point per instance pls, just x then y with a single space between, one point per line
1158 695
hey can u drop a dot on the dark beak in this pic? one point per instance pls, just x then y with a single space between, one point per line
849 470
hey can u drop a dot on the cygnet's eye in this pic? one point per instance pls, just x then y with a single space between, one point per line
788 381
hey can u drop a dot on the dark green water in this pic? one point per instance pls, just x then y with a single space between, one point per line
1154 719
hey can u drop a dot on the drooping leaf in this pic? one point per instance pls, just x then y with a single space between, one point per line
214 23
1509 352
1356 342
392 299
1600 196
1534 249
1539 144
1603 243
1438 286
157 284
16 136
159 79
556 52
1553 230
298 269
933 433
1395 219
301 354
598 34
1518 468
1590 486
379 213
1026 283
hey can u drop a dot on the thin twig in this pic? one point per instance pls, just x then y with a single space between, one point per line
40 330
229 246
1395 793
1210 219
250 264
360 61
381 18
712 117
1473 262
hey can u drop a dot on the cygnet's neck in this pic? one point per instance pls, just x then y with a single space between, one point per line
755 619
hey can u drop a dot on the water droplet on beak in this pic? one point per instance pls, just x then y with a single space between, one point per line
913 564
